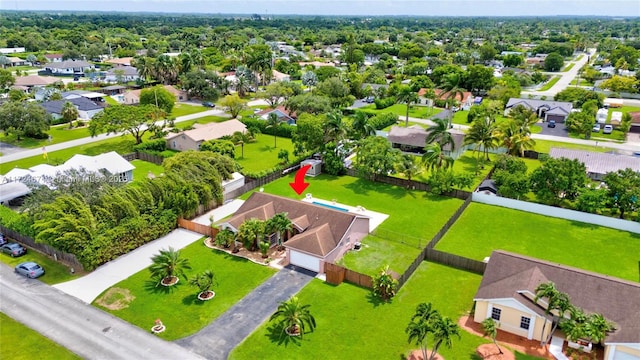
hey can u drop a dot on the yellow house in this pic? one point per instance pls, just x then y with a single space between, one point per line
507 291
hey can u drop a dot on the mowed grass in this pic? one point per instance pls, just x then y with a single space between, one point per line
422 112
19 342
544 146
550 83
377 252
351 324
59 133
143 168
261 155
484 228
203 120
55 272
177 306
180 109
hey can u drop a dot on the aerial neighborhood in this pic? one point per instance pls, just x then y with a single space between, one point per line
211 186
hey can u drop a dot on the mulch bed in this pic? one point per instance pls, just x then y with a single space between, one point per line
417 355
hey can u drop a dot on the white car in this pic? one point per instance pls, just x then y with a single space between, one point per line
596 127
608 129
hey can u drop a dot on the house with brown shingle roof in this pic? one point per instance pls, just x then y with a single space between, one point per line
320 234
507 291
191 139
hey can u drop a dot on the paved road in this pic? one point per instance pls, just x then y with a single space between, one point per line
565 77
83 329
87 140
217 339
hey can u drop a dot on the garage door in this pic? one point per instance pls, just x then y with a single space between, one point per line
304 261
619 355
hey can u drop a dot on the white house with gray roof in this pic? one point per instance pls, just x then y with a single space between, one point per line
546 110
598 164
68 67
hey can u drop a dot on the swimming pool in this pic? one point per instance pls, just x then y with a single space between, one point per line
330 206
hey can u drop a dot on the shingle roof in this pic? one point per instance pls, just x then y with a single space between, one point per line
126 71
416 136
323 227
554 107
516 276
83 104
68 64
212 130
598 163
35 80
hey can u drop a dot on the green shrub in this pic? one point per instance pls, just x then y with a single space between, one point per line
16 221
384 103
284 130
381 121
152 146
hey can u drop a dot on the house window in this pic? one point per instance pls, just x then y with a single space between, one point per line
495 314
525 322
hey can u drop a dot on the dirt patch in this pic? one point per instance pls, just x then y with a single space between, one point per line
116 299
490 352
417 355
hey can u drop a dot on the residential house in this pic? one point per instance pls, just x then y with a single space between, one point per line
53 58
465 101
413 139
87 109
91 95
191 139
132 97
538 60
125 61
31 81
320 234
112 90
68 67
16 61
278 76
122 74
13 50
544 109
281 112
635 122
507 291
598 164
316 64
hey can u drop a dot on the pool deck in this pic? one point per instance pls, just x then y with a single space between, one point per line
376 218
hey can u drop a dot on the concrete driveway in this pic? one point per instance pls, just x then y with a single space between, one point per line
560 130
88 287
81 328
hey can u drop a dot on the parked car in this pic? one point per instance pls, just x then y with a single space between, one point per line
13 249
208 104
369 99
551 124
2 239
596 127
29 269
608 129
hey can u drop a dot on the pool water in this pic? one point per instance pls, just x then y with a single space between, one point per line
330 206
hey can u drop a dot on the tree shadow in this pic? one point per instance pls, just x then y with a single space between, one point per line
376 300
153 286
276 334
192 299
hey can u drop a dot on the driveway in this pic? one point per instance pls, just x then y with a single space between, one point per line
89 332
560 130
88 287
217 339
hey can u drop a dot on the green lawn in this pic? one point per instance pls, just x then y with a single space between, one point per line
55 272
58 133
422 112
203 120
353 325
261 155
483 228
121 144
583 82
143 168
19 342
622 109
544 146
401 124
177 306
568 67
111 101
185 109
550 83
377 251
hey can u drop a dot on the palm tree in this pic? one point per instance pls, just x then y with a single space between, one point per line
490 328
452 87
439 132
408 96
240 138
203 282
273 122
407 166
242 85
421 325
334 127
167 266
69 113
258 58
224 238
598 327
145 67
280 223
361 126
294 318
514 138
250 231
166 69
186 62
482 134
435 159
443 331
575 327
556 301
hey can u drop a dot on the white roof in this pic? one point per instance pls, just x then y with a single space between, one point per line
12 190
616 116
234 177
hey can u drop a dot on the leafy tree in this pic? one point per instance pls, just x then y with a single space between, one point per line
421 325
223 147
309 103
510 176
620 84
513 60
444 181
283 156
478 78
69 113
558 179
309 79
325 72
250 232
24 119
553 62
202 84
581 123
233 104
167 266
578 96
224 238
17 95
294 318
384 285
309 134
625 123
407 96
203 281
275 93
336 90
482 134
375 157
591 200
159 97
452 87
407 166
623 190
487 52
135 120
6 80
490 328
274 122
280 224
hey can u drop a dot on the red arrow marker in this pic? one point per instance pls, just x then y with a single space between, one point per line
299 185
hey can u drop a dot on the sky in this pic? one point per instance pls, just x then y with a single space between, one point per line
626 8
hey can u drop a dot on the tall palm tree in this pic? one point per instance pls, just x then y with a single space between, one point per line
444 329
490 328
511 135
334 127
198 59
407 166
166 69
240 138
482 134
294 318
556 301
435 159
274 123
145 66
242 85
361 126
452 88
167 266
407 96
598 327
258 58
186 62
281 224
421 325
69 113
439 132
575 327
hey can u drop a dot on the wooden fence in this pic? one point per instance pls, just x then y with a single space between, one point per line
59 256
254 183
456 261
139 155
198 228
336 274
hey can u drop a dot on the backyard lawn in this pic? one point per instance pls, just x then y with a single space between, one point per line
483 228
185 109
261 155
19 342
59 133
55 272
422 112
143 168
203 120
178 306
353 325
